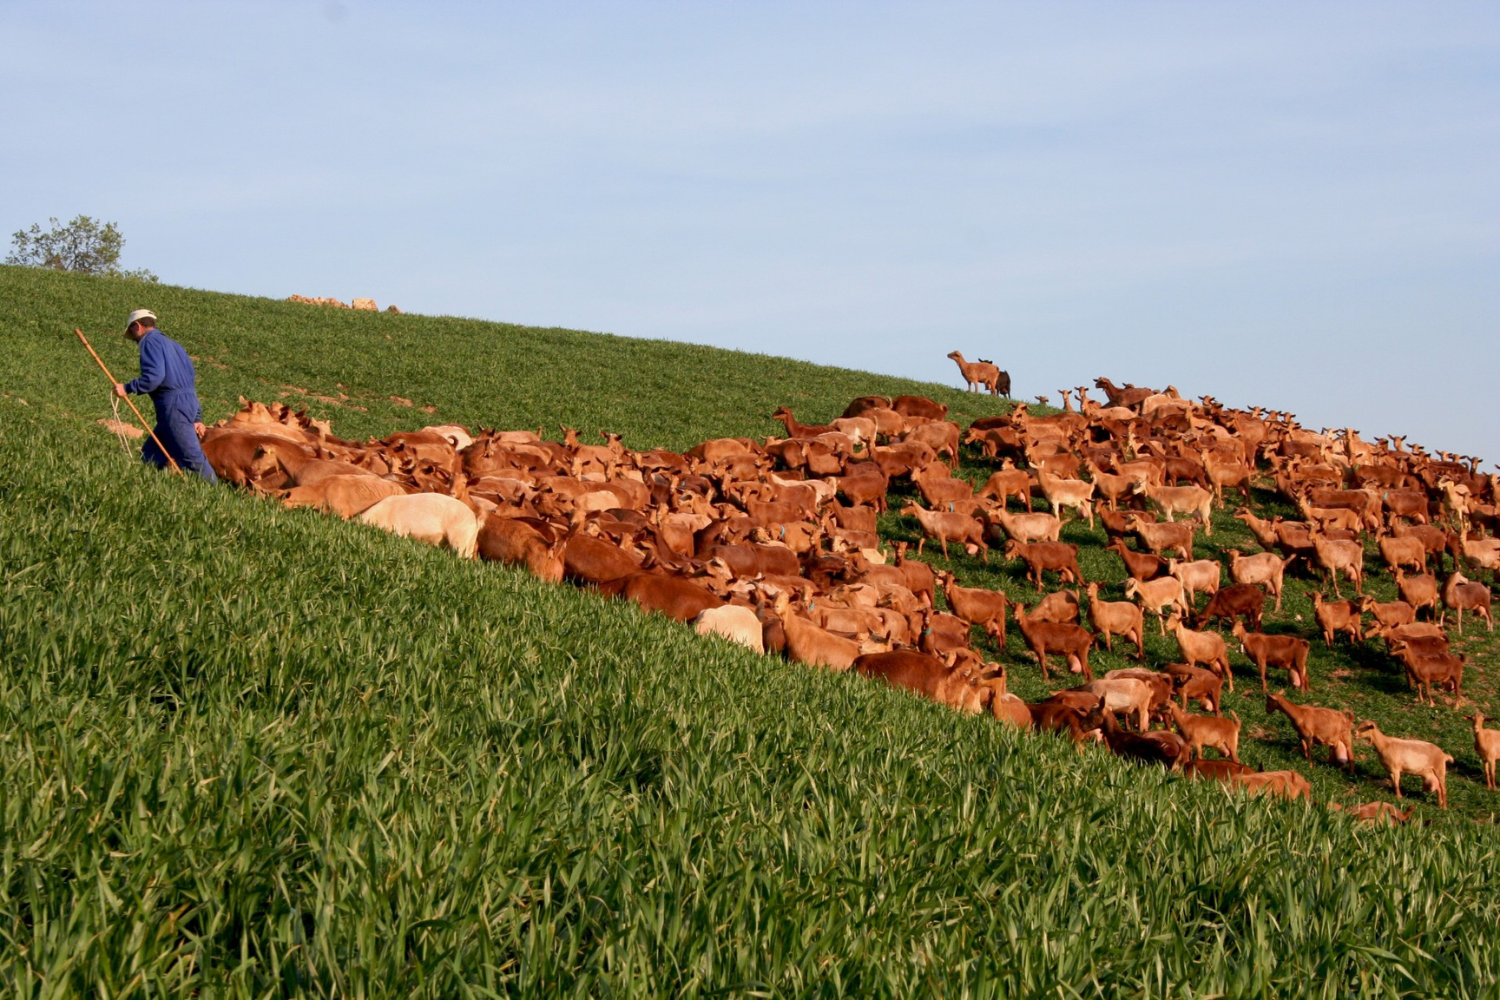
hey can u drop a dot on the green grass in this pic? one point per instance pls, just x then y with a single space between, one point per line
256 752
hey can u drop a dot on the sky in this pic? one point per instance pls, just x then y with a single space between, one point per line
1293 205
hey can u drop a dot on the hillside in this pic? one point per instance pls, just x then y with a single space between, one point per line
265 750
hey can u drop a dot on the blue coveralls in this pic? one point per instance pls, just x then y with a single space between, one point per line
167 375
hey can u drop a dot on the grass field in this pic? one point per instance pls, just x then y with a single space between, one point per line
256 752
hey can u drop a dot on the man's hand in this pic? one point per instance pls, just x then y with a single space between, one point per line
200 429
120 389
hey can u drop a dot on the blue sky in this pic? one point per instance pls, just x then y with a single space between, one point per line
1294 205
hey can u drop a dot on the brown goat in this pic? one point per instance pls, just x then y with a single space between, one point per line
1069 641
1338 616
1420 591
1208 731
513 542
1327 726
1039 557
1202 647
1195 683
947 528
1460 595
1159 537
1141 566
1237 600
1122 618
1285 651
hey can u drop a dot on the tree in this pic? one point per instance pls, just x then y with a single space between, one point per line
82 245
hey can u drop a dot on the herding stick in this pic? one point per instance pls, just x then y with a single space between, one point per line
172 462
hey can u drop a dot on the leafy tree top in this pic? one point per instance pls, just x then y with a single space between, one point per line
82 245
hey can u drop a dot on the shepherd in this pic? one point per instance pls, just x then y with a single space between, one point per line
167 376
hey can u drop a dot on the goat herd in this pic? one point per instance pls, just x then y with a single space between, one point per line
774 544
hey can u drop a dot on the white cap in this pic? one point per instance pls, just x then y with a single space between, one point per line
139 315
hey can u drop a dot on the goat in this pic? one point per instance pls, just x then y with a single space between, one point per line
1287 784
428 517
1264 567
1237 600
985 608
942 492
1285 651
807 643
1069 641
1060 606
1051 717
1161 537
1062 493
1376 812
1222 473
940 435
1487 745
1156 596
927 676
511 541
1007 483
1195 683
1460 595
1161 684
1208 731
920 578
1327 726
1216 770
1110 486
1124 694
1410 756
1330 518
1389 613
1041 556
947 528
1426 667
1338 556
1408 551
1420 591
979 374
1181 500
1111 618
1027 527
1338 616
734 623
1264 531
1158 747
1202 647
1199 575
1141 566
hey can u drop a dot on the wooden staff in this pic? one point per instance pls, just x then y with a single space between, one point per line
172 462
